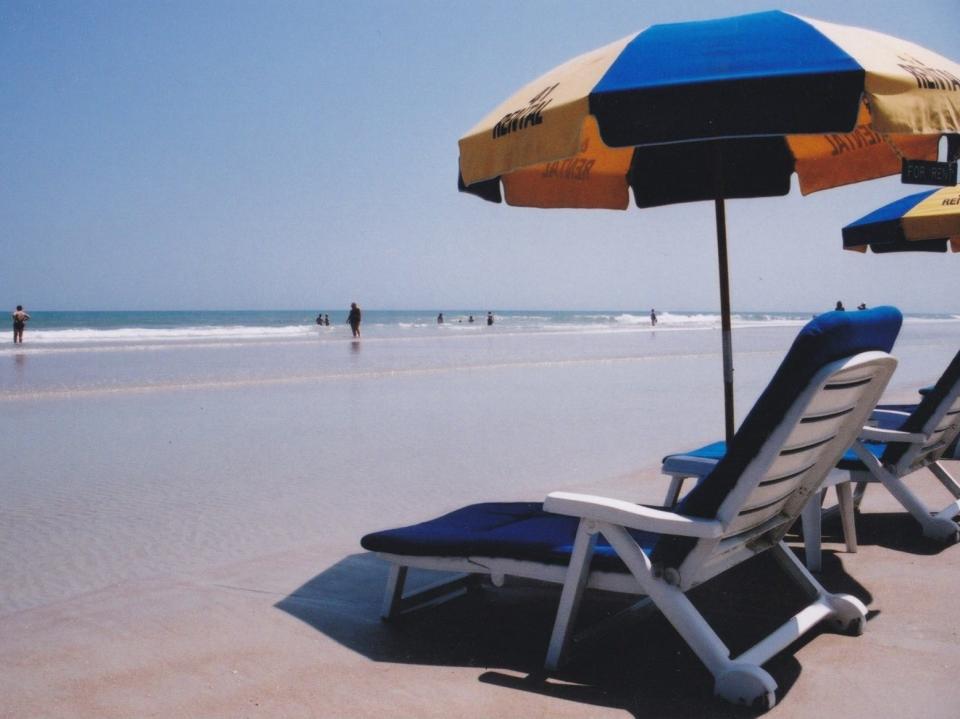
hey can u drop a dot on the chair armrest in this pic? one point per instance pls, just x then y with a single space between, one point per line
627 514
682 465
891 435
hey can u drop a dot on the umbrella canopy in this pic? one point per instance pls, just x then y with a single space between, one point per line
729 107
927 222
726 108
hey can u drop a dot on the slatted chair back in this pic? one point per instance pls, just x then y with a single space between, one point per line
937 416
824 391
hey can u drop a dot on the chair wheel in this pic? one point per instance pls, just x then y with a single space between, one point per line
855 628
942 530
747 685
764 703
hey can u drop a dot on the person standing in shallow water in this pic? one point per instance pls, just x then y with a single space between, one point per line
653 318
354 319
19 322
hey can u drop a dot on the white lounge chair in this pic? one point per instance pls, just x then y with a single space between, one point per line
897 441
901 440
819 398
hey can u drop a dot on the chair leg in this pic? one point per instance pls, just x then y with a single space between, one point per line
847 613
846 504
741 681
810 521
952 509
576 580
392 597
673 491
443 590
938 528
935 527
859 490
941 473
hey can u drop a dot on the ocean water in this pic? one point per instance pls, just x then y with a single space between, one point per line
51 330
88 352
54 329
146 446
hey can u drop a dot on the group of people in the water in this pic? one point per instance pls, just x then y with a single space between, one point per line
469 319
355 317
841 308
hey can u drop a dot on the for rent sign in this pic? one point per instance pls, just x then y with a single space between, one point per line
923 172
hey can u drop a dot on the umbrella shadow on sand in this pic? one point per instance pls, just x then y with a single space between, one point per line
641 665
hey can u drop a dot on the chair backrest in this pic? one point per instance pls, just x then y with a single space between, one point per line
812 410
937 416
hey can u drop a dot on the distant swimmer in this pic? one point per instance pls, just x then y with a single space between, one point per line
840 307
320 319
354 319
326 320
440 318
489 318
19 322
653 317
862 306
470 318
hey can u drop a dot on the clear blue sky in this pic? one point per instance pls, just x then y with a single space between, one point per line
179 155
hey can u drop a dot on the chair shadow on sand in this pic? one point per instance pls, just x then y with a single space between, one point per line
641 665
891 530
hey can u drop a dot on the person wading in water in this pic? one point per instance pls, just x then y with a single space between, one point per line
354 319
19 322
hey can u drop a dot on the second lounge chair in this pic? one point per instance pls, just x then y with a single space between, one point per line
902 440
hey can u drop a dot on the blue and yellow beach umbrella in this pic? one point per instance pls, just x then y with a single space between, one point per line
926 222
710 110
773 92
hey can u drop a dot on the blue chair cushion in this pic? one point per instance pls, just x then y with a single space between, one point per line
828 337
516 530
717 450
850 461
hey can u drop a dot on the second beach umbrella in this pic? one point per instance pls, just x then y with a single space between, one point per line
926 221
710 110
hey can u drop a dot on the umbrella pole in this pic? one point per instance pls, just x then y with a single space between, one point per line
725 332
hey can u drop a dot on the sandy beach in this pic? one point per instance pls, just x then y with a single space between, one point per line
282 275
185 542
